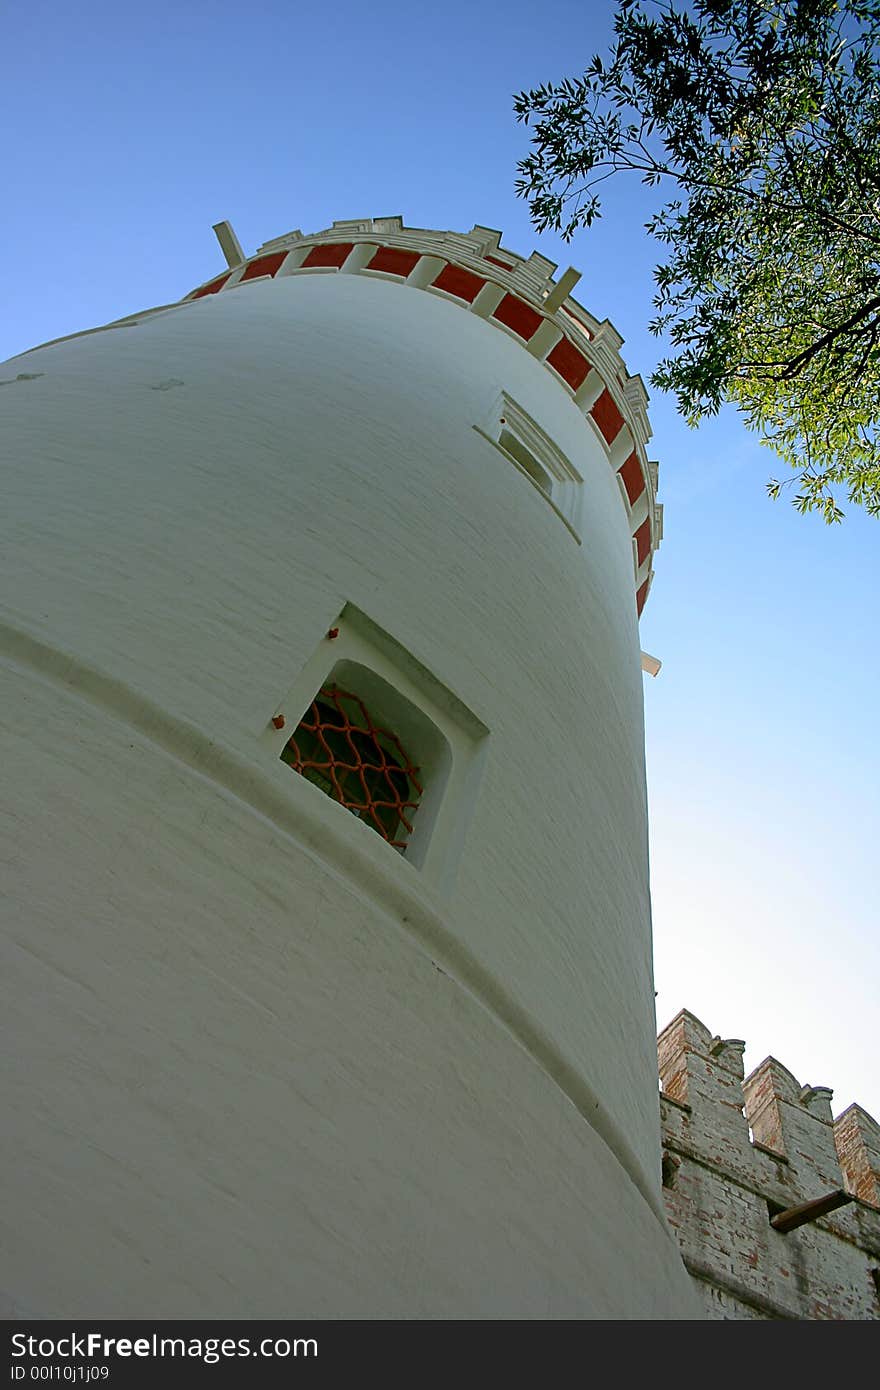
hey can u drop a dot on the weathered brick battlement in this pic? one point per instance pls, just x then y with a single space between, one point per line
739 1151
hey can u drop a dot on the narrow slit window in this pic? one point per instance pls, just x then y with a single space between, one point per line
340 749
523 442
526 459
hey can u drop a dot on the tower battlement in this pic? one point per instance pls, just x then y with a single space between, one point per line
517 295
738 1151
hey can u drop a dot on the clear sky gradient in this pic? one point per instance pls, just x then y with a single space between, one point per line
131 129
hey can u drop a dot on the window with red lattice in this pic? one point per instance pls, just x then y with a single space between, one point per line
339 748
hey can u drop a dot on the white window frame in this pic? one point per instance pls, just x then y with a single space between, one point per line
564 488
428 718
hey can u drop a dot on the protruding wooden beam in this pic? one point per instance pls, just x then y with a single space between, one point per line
792 1217
229 244
562 289
651 664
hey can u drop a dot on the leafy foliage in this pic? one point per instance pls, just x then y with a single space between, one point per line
762 120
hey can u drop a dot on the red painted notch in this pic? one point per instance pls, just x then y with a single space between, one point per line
571 364
643 540
394 260
213 287
333 253
495 261
522 318
459 282
632 479
264 265
640 598
607 417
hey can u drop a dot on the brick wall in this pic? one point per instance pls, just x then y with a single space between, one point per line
737 1151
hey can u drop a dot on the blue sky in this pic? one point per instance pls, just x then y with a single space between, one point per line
130 130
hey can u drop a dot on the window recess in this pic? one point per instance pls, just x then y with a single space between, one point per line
340 749
533 453
378 733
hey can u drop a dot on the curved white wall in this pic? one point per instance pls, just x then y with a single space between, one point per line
267 1066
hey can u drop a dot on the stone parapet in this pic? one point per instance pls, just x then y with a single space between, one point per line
857 1137
740 1151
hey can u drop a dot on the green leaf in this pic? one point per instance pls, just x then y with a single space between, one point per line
763 122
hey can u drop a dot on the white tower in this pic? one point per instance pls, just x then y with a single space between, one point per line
366 520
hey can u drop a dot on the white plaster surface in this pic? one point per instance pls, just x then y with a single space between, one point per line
263 1067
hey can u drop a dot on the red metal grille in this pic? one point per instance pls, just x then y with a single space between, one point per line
364 767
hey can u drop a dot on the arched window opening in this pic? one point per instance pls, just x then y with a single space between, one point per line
339 748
